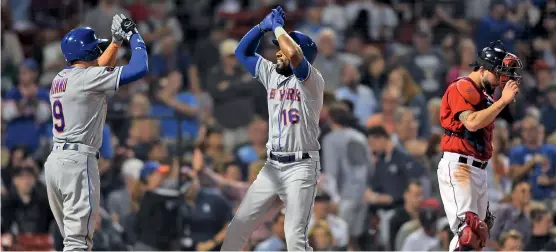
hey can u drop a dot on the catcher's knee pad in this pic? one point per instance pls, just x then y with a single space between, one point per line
475 233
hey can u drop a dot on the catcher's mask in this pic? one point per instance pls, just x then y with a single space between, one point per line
496 59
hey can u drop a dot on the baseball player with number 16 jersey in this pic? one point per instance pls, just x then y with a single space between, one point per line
295 95
78 98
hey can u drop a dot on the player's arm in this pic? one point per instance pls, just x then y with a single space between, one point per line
475 120
109 56
246 51
138 65
300 66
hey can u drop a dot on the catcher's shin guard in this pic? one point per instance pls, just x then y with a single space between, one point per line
475 234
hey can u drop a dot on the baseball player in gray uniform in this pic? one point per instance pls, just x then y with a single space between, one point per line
78 98
295 95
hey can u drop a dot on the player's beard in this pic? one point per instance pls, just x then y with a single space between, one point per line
284 69
489 89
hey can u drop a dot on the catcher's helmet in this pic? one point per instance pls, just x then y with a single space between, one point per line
496 59
307 45
82 44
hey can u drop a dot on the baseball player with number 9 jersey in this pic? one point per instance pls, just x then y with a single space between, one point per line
78 97
295 95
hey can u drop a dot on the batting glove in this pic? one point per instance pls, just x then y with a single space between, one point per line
266 24
117 33
277 20
127 26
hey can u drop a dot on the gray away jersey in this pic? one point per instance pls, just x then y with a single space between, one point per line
293 108
78 103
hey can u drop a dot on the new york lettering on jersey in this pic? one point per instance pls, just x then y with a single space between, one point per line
292 104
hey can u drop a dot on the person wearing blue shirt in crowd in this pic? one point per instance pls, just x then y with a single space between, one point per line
534 161
26 109
496 26
175 105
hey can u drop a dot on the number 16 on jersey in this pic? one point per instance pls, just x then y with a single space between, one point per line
290 116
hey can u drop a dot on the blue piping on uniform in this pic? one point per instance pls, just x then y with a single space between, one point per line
90 205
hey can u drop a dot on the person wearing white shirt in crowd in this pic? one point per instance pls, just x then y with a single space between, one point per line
339 228
424 238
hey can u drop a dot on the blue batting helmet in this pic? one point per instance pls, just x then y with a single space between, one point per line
82 44
307 45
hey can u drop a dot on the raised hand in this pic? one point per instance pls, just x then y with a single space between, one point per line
266 24
117 33
510 91
127 26
278 18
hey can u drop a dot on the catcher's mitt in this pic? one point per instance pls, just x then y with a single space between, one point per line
489 219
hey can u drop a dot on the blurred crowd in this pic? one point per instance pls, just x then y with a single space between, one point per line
181 146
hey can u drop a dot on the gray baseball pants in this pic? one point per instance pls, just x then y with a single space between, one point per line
73 187
295 184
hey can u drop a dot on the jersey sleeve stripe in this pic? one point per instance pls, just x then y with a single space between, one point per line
257 67
118 78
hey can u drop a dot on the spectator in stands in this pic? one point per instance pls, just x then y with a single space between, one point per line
334 15
499 182
26 108
362 97
52 60
433 107
26 209
425 238
214 149
380 22
156 226
205 217
413 197
141 130
100 17
206 54
160 27
412 97
255 149
542 223
414 224
534 161
12 53
513 216
390 100
511 241
548 109
373 69
178 108
536 91
496 26
277 242
232 90
390 178
313 23
328 62
118 112
171 57
119 202
354 45
347 165
338 227
466 54
320 237
426 65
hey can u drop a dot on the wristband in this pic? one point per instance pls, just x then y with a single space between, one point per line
278 31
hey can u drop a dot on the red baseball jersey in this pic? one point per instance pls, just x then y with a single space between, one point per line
451 106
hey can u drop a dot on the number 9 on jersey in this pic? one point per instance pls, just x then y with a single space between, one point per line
58 114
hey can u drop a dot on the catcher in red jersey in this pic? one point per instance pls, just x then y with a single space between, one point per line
467 114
